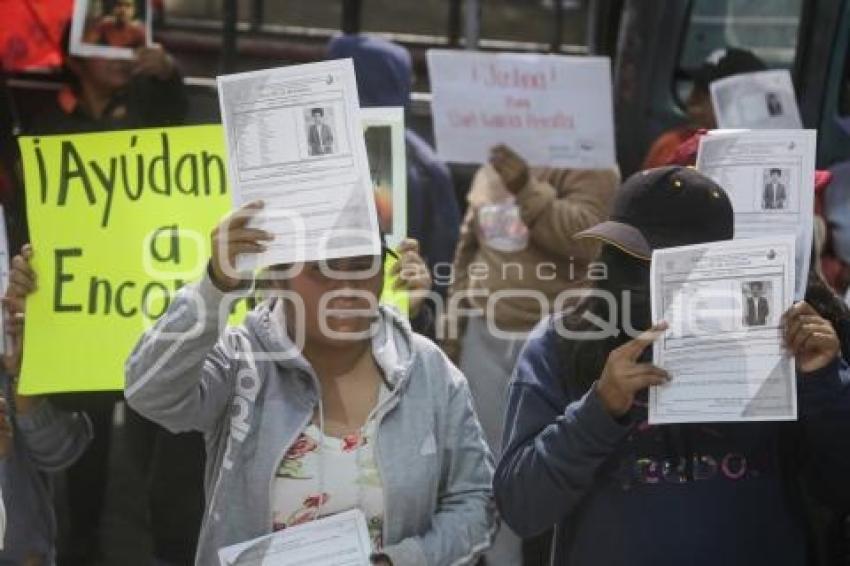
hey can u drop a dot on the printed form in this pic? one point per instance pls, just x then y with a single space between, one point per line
761 100
723 303
295 140
770 179
338 540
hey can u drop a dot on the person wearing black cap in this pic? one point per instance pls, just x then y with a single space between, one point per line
580 455
700 114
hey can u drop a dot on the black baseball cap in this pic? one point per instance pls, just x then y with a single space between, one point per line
663 208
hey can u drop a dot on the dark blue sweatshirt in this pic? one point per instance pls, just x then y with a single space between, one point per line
626 493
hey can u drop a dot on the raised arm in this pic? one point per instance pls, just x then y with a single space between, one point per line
554 445
558 204
179 374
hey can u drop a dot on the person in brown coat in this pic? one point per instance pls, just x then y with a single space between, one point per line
517 261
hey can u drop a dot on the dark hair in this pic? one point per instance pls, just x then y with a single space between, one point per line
317 112
627 276
776 171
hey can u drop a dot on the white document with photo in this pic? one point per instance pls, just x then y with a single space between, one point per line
723 303
295 140
383 129
763 100
553 110
110 30
338 540
770 179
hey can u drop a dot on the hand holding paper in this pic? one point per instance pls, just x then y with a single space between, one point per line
810 337
623 376
412 275
231 238
723 302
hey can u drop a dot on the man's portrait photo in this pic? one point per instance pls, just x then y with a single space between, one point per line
756 302
775 192
320 133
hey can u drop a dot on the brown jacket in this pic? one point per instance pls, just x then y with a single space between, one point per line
554 206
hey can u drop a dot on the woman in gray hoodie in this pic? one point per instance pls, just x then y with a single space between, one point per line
319 403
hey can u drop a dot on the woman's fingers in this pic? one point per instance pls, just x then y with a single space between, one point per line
408 245
237 248
249 235
241 216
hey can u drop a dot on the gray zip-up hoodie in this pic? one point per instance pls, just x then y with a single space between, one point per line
251 394
45 440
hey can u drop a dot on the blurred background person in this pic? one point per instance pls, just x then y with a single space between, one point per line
698 109
384 78
113 94
517 237
36 439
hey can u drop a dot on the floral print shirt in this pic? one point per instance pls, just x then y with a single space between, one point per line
351 479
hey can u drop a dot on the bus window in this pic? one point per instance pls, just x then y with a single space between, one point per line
844 94
768 29
532 22
422 18
297 13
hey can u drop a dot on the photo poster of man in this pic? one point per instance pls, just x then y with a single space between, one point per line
383 130
764 100
110 29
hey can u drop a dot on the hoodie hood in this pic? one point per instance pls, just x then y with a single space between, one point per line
384 69
391 342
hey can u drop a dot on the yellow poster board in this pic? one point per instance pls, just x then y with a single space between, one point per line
119 221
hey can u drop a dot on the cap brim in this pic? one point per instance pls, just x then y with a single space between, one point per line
627 239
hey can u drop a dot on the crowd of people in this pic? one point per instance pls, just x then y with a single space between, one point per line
460 445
